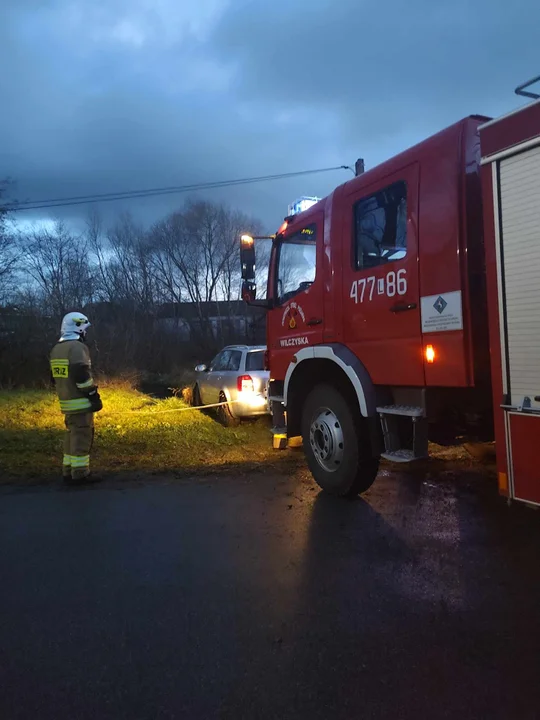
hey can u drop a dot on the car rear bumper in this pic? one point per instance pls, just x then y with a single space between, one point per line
250 405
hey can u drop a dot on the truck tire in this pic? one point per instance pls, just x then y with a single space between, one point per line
337 443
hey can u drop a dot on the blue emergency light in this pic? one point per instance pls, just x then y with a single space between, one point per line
302 204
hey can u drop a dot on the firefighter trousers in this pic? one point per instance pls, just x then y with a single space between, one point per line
78 440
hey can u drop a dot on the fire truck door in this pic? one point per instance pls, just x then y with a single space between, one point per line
380 278
296 321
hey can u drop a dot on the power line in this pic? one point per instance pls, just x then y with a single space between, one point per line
152 192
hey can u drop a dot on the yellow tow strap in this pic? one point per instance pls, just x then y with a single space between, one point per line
172 410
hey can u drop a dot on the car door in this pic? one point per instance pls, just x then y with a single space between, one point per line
211 383
203 381
380 282
296 319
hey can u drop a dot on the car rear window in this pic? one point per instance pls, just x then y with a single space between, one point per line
255 360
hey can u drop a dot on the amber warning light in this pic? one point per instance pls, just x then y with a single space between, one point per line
430 354
246 240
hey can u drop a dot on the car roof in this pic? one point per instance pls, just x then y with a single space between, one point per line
249 348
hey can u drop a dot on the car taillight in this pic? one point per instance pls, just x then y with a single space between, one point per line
245 383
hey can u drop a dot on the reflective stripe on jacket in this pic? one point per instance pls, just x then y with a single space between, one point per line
72 373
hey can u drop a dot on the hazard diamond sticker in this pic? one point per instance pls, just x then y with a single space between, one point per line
440 305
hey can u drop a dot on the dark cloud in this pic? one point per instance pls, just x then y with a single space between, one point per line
111 95
386 65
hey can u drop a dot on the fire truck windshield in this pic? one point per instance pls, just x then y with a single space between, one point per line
296 263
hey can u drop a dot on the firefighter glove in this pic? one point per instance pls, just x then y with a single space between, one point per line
95 401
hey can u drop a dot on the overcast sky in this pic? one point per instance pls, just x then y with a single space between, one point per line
106 95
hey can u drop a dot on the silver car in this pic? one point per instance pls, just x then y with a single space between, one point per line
238 377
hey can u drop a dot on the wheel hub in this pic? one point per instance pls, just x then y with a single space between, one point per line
326 439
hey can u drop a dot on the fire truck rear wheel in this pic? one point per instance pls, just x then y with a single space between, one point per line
337 443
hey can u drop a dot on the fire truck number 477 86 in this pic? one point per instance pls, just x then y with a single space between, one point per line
405 307
393 284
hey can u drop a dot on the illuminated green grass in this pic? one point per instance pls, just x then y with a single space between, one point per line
132 433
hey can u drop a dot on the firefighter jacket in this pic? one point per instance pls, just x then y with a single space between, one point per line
72 373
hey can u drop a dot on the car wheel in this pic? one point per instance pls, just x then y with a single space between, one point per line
196 400
337 443
225 416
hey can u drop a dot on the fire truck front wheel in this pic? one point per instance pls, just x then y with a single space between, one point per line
337 443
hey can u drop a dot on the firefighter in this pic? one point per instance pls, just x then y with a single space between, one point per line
77 393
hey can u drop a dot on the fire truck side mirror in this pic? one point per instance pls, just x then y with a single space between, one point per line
247 261
248 291
247 258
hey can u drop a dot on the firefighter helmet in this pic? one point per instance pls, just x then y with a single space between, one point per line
74 326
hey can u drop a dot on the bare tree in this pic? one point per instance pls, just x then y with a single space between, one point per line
97 245
8 247
123 261
130 268
126 274
197 256
58 264
128 291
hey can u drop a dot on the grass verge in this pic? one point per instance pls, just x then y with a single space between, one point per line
136 432
133 432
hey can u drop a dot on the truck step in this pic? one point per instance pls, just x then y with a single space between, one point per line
403 410
405 431
402 456
276 398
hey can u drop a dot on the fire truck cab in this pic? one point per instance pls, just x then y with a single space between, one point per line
377 326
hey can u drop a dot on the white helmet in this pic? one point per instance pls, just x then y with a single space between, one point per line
74 326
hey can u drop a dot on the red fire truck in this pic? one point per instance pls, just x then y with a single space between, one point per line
405 307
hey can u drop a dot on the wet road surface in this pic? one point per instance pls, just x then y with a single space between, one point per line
259 598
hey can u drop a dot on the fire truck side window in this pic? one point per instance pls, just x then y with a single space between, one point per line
381 227
297 263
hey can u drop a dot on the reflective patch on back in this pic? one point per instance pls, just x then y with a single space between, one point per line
60 368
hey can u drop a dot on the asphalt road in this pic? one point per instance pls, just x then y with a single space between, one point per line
259 598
